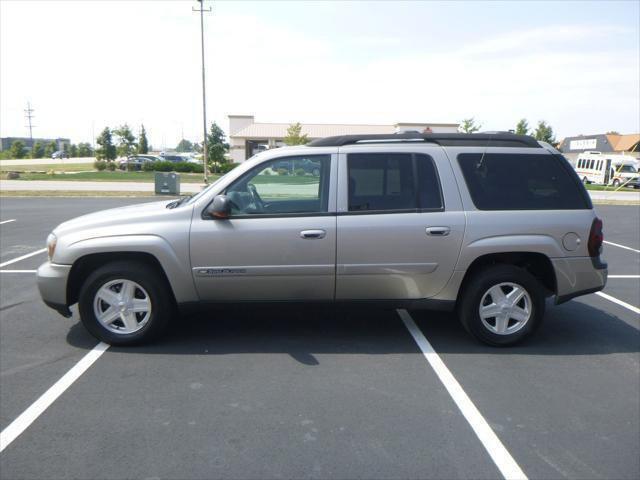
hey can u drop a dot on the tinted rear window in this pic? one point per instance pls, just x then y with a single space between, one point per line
504 181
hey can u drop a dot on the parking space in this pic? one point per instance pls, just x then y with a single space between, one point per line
321 393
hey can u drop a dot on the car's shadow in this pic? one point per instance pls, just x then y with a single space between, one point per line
571 329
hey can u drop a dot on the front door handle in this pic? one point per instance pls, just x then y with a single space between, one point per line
310 234
438 231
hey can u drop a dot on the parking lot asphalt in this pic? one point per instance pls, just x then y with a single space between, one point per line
317 393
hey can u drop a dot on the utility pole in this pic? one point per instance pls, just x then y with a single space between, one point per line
201 9
28 115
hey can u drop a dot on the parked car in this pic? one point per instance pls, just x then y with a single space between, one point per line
59 154
174 158
486 225
135 162
309 166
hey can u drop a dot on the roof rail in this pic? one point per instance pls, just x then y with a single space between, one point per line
442 139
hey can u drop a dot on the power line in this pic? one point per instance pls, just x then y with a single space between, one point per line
201 9
28 115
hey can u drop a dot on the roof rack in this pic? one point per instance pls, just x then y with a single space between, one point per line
442 139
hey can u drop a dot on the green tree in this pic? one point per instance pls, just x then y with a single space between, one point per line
126 140
216 145
17 149
469 125
107 150
85 150
613 132
294 136
51 147
184 146
522 128
143 143
73 150
544 133
37 151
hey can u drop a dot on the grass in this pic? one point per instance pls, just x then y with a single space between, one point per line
123 176
105 176
604 188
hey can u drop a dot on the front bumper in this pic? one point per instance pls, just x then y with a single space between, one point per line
577 276
52 284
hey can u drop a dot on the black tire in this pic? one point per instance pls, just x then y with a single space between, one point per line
478 286
585 181
157 289
616 183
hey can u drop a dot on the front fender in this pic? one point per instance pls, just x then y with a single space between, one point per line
177 267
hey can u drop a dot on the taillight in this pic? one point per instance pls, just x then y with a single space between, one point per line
596 237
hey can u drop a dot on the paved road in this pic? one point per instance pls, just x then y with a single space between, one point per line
323 393
45 161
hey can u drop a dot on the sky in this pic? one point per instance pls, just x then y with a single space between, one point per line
88 64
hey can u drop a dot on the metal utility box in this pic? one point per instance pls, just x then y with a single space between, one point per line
167 183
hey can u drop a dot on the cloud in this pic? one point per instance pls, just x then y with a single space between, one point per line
104 63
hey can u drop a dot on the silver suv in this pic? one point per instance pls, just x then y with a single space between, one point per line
488 225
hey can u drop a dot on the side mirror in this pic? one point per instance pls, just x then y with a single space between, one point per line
220 208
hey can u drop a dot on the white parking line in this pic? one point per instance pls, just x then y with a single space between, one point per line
497 451
621 246
619 302
7 221
20 424
623 276
18 271
9 262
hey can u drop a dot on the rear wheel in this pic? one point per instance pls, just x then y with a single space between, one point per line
502 305
585 181
125 303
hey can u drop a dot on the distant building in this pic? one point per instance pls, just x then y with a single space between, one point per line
603 142
5 142
248 137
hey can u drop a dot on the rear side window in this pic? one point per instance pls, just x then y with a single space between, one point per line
504 181
392 181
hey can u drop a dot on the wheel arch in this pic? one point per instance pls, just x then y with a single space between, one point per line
86 264
537 264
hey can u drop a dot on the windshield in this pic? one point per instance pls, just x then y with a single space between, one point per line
200 194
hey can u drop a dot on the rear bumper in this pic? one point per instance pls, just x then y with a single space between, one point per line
578 276
52 284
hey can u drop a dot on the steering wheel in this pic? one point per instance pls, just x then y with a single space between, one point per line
255 197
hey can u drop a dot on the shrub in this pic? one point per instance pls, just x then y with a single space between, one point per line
227 167
100 165
283 171
111 166
267 172
166 166
300 172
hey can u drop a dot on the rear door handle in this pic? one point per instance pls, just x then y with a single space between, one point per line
438 231
311 234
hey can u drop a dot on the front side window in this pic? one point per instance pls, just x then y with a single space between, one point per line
283 186
503 181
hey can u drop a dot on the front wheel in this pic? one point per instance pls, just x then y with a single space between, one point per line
616 183
125 303
502 305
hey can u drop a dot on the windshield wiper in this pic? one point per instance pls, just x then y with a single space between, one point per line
180 201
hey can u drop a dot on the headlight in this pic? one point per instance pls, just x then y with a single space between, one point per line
51 245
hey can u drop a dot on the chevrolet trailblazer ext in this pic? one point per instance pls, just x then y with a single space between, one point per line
488 225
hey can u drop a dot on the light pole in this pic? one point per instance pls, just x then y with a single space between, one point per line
204 96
